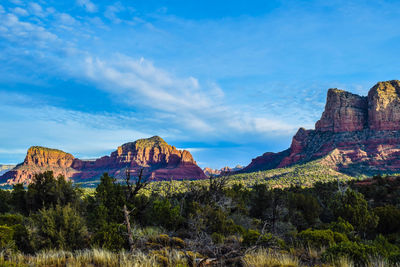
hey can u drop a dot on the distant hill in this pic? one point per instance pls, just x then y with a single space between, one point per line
356 135
159 160
5 168
208 171
303 175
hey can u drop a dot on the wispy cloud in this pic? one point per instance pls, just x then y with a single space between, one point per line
83 134
88 5
13 29
240 79
188 102
20 11
36 9
112 12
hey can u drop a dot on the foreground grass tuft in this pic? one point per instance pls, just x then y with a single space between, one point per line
265 258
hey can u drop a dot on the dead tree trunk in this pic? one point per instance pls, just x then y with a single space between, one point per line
130 195
129 229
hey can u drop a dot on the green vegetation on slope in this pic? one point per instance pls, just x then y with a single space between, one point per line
154 141
303 175
221 220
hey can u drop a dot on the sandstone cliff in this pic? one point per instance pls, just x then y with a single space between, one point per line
355 135
344 112
384 106
159 160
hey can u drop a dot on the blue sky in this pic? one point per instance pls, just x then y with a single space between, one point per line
227 80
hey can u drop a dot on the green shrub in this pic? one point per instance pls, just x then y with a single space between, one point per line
394 258
352 207
250 237
253 237
317 238
21 238
342 226
358 252
161 239
60 228
111 237
11 219
177 242
384 247
217 238
165 214
389 219
339 237
6 237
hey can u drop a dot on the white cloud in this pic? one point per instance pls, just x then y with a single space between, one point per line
112 11
183 101
16 2
88 5
82 134
20 11
67 19
139 80
1 9
19 31
36 9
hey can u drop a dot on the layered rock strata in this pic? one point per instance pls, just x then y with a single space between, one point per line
159 160
355 135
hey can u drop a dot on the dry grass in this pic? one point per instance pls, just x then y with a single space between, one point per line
94 258
344 262
266 258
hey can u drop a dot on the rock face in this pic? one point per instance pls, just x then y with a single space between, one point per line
384 106
355 135
225 170
159 160
344 112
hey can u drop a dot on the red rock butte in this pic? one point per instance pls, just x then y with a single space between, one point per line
355 135
159 160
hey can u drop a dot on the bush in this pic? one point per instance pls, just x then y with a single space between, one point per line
177 242
342 226
389 219
317 238
358 252
6 237
217 238
352 207
250 237
21 238
339 237
47 191
111 237
11 219
60 228
253 237
165 214
384 247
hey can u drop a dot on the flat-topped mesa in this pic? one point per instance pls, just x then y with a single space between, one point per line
39 159
384 106
159 160
344 112
47 157
154 150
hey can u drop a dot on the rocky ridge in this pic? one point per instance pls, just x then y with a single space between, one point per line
159 160
215 172
5 168
355 135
